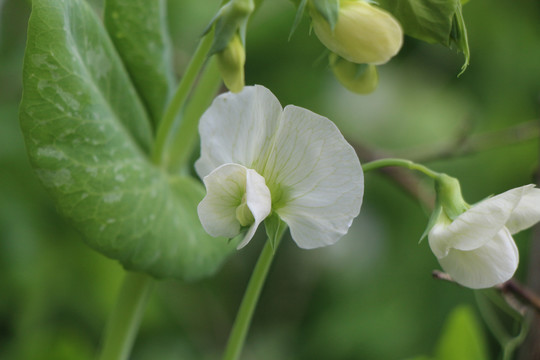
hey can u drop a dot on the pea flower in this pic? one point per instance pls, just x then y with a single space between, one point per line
363 33
474 244
258 159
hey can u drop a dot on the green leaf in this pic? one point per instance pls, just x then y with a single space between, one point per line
433 21
462 337
88 139
138 29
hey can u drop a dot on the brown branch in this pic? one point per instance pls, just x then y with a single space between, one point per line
465 143
510 287
404 178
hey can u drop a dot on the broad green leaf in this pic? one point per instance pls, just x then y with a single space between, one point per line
88 139
139 32
433 21
462 337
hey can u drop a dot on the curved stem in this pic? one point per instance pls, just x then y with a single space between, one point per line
185 137
124 321
376 164
247 307
179 98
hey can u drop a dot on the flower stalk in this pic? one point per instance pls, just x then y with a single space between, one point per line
179 98
249 302
408 164
124 321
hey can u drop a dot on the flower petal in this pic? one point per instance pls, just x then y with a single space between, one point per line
364 34
527 212
317 181
238 128
225 188
259 202
493 263
477 225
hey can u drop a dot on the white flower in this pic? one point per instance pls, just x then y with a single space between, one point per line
257 158
476 248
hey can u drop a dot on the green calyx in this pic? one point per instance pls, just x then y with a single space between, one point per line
449 203
231 20
449 196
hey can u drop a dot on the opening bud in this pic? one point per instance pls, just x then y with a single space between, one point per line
363 33
231 62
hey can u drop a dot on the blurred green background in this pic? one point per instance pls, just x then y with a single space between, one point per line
370 296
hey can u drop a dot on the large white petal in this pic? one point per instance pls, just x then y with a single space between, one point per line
225 188
493 263
480 223
317 181
238 128
527 212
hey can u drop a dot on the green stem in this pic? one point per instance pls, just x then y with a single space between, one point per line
408 164
124 321
247 307
185 137
179 98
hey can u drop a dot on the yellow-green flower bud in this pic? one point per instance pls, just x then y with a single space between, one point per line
358 78
231 62
363 34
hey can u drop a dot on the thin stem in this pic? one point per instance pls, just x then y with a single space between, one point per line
185 137
179 98
247 307
516 341
408 164
124 321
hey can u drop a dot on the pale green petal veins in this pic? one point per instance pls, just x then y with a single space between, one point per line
527 212
231 188
493 263
364 34
313 174
238 128
319 177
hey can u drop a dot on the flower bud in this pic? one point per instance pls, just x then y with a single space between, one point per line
363 34
231 62
358 78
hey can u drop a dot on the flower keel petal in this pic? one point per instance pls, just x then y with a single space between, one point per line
228 187
258 200
489 265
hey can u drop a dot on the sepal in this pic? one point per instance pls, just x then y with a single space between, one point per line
275 228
